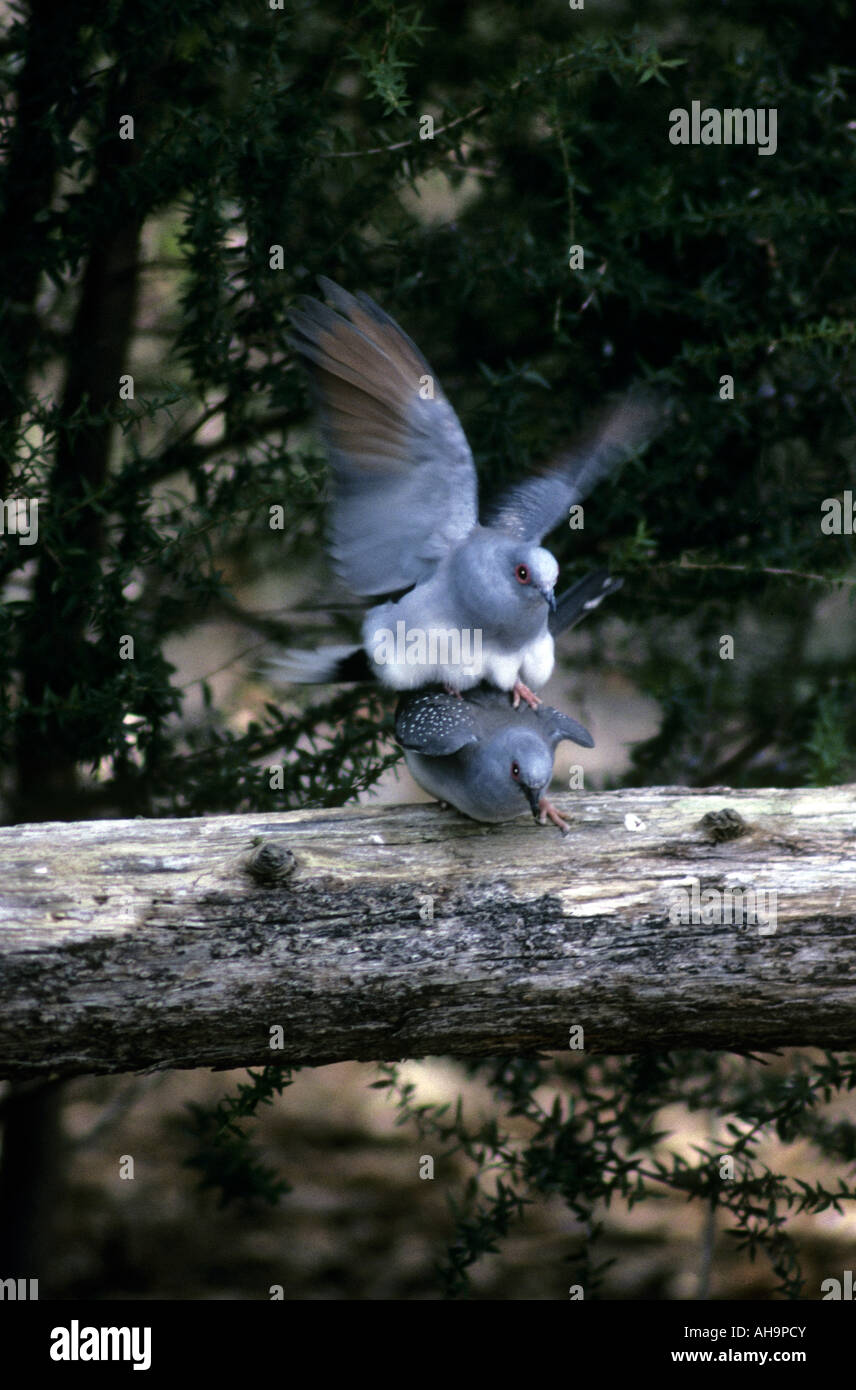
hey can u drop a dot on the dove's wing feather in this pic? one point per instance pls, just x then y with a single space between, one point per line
404 482
435 723
534 507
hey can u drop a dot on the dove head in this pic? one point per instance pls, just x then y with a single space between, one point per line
516 758
507 581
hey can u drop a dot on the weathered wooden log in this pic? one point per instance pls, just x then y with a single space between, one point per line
667 918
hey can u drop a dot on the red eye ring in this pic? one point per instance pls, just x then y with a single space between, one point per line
522 575
515 770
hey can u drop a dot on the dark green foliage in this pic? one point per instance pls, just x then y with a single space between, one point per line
598 1141
699 261
223 1151
300 127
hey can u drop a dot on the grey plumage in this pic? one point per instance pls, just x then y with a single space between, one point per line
535 506
404 481
404 510
481 755
348 663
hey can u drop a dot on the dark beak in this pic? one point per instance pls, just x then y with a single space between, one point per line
549 598
533 796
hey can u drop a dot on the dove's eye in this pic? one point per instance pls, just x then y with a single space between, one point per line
515 770
522 574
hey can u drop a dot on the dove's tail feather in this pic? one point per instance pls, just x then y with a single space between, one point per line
581 599
325 665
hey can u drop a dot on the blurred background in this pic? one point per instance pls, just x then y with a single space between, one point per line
173 175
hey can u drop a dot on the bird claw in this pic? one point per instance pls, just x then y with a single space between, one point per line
450 690
522 692
549 812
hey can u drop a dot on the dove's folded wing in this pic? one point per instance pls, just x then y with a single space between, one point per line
435 724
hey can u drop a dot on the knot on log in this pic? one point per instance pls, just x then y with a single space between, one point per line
726 824
270 864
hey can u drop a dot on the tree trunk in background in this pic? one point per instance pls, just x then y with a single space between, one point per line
53 649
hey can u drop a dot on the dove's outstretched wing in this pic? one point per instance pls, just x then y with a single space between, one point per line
405 487
532 508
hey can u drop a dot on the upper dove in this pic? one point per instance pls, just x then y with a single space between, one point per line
465 600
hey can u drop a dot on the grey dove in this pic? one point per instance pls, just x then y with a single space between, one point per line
481 754
471 600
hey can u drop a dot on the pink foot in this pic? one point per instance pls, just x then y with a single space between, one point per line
549 812
450 690
522 692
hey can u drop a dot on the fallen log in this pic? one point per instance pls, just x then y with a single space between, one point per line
667 918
